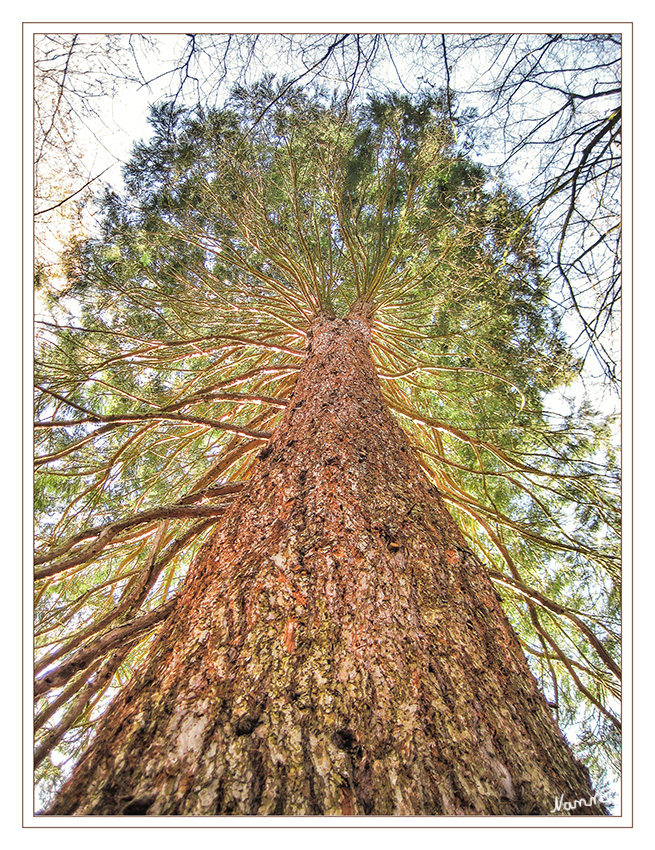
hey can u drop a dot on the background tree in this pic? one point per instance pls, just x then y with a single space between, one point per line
555 102
238 229
66 126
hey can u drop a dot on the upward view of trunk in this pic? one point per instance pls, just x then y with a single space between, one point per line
336 649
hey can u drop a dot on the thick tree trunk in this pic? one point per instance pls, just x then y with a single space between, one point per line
336 650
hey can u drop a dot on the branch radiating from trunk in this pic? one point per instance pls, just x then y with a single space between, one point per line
336 648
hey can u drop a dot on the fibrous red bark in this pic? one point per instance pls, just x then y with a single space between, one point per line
337 649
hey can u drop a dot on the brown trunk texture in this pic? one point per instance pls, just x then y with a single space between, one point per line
337 649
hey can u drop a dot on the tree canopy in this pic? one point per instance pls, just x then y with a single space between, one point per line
164 370
543 110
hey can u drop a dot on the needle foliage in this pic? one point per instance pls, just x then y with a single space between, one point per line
168 364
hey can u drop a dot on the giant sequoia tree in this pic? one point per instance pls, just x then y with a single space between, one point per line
293 444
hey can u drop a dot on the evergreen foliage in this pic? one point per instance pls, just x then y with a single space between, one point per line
167 365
